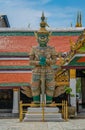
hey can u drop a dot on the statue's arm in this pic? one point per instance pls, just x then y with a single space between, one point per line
33 61
52 59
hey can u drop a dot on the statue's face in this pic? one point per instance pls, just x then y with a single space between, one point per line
42 40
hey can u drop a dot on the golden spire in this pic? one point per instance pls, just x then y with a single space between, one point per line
43 29
43 25
79 20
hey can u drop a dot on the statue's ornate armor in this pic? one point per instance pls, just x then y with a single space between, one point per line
50 55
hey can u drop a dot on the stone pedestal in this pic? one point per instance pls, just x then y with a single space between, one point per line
36 114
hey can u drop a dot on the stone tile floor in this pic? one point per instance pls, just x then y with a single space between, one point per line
14 124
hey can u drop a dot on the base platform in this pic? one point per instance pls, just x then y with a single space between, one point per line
37 114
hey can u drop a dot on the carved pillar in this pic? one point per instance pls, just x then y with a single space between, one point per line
15 101
73 86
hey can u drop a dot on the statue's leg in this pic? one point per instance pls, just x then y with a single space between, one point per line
50 87
36 88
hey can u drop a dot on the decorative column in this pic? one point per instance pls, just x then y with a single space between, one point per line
73 86
15 101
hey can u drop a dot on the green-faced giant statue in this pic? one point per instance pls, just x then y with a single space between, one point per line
42 57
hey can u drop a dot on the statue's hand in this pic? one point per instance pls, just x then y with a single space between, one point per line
42 61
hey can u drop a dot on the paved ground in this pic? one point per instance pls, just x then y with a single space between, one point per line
14 124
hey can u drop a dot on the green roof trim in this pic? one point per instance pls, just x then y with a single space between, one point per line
11 33
75 63
14 54
22 67
28 33
68 33
16 67
14 84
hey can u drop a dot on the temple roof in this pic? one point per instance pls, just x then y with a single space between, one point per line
18 43
69 29
15 45
4 21
78 62
23 44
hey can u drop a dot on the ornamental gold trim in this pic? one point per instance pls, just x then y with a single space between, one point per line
72 73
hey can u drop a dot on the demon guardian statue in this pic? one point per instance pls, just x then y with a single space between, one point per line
42 57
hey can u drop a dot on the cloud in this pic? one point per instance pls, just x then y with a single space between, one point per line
22 18
21 13
62 16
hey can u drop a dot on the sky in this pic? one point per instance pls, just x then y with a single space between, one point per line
27 13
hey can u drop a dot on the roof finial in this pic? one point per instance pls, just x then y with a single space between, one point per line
78 21
43 25
42 17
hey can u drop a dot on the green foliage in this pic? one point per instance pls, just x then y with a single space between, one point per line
68 91
82 49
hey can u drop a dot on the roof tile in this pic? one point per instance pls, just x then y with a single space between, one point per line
15 77
14 62
25 43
